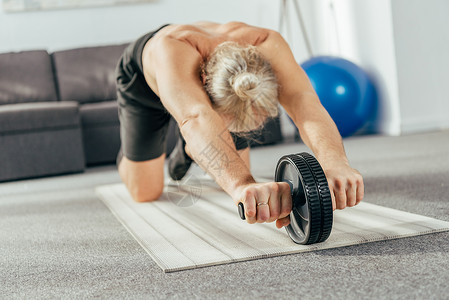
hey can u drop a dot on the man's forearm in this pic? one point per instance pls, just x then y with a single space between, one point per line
318 130
212 147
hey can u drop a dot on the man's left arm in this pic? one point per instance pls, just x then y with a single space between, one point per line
320 134
316 127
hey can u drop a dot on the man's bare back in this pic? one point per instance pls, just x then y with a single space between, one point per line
203 37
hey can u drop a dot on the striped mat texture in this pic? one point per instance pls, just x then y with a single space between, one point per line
195 224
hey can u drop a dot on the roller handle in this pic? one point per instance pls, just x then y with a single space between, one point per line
241 211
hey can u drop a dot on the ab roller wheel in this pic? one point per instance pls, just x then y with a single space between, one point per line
311 215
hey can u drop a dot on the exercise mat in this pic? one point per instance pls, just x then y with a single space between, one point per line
195 224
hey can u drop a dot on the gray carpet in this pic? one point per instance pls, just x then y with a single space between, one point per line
57 240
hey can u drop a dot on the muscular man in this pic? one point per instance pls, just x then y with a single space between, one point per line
214 80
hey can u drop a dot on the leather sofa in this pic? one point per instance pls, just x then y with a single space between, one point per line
86 75
58 112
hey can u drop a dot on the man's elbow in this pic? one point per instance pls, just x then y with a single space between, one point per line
195 117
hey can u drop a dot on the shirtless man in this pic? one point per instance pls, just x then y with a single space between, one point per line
214 79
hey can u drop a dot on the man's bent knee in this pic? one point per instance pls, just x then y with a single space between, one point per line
146 195
146 191
144 180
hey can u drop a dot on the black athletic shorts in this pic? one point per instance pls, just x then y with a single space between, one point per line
143 118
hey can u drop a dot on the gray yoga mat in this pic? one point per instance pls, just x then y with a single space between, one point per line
195 224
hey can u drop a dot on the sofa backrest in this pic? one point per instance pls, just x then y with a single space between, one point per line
26 77
87 75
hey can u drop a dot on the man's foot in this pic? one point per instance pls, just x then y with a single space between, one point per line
179 162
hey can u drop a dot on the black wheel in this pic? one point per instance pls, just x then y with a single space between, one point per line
325 195
311 216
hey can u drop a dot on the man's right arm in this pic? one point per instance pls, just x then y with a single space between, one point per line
181 91
177 75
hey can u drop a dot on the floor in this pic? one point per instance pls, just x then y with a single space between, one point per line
58 240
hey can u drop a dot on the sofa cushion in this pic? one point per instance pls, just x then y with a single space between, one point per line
39 139
26 77
99 113
87 74
101 132
17 118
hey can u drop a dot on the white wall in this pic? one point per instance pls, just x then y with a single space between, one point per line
421 32
362 32
402 44
63 29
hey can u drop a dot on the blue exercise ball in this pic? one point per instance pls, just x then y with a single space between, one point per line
344 89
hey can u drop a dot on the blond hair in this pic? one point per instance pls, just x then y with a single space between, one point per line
241 85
